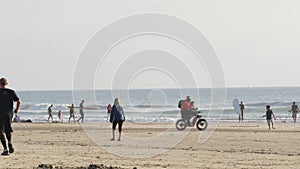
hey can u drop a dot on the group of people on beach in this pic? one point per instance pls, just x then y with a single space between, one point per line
270 115
72 113
115 114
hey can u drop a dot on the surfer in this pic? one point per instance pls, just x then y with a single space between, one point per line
7 98
241 116
294 111
50 113
269 116
81 112
72 113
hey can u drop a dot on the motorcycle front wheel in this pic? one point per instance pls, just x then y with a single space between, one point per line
201 124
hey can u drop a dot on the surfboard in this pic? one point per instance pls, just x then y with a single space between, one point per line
236 106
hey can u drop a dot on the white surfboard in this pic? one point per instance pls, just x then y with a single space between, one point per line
236 106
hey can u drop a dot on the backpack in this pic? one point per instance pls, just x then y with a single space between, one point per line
180 103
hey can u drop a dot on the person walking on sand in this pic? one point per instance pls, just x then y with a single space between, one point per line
81 112
50 113
241 116
72 112
7 99
117 117
109 108
59 114
294 111
269 116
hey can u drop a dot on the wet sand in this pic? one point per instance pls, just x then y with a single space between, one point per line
232 145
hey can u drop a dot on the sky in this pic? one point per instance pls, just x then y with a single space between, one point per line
257 42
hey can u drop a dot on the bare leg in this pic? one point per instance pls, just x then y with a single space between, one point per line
113 134
120 133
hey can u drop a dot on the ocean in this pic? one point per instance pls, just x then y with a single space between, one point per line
159 105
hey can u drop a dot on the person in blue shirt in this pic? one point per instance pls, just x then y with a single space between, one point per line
117 117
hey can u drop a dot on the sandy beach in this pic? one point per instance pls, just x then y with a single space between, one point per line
232 145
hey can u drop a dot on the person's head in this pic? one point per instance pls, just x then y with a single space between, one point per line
294 103
51 105
3 82
268 107
117 101
241 102
188 98
82 101
72 105
192 103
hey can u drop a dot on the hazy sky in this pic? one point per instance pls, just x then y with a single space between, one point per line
257 40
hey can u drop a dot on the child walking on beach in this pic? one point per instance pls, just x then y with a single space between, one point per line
269 115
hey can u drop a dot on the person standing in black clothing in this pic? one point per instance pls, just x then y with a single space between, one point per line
241 116
7 99
50 113
81 112
269 116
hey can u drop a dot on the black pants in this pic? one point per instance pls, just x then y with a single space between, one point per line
120 123
5 127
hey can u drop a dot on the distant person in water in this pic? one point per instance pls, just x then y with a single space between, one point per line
109 108
117 117
295 111
269 116
241 116
81 112
7 99
59 114
50 113
72 112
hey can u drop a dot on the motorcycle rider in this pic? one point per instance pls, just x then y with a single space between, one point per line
188 110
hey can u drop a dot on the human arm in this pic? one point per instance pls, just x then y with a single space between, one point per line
18 106
112 114
123 113
274 116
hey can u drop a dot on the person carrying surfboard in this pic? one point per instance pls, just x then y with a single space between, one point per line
242 107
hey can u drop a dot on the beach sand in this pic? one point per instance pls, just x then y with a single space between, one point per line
232 145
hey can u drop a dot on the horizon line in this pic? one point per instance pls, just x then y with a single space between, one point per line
226 87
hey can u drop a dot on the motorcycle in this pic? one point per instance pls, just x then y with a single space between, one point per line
201 123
